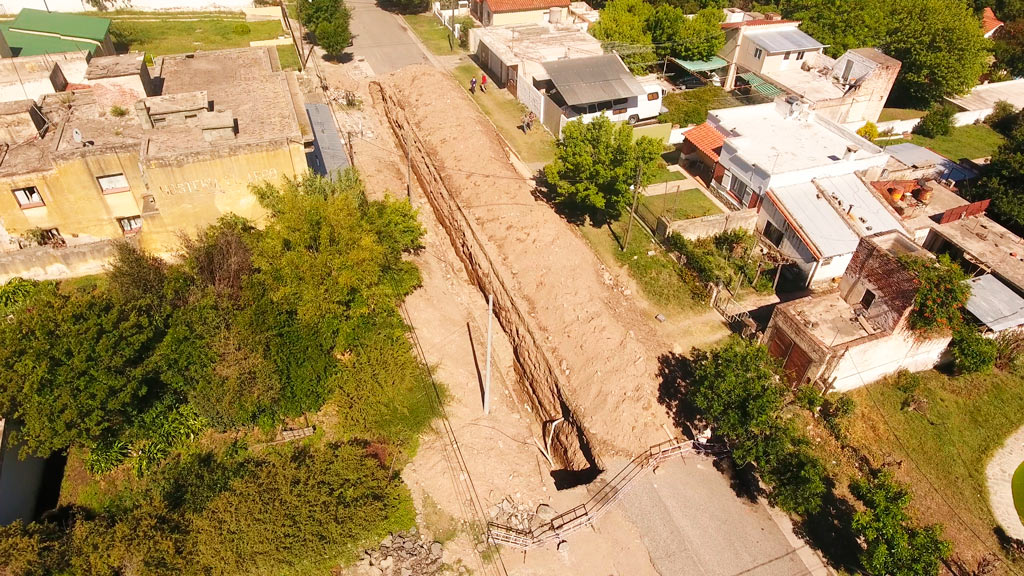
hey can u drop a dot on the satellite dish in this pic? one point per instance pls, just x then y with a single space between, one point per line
77 135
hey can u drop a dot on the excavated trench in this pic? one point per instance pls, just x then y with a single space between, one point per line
538 379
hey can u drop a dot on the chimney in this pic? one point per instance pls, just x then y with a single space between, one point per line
850 151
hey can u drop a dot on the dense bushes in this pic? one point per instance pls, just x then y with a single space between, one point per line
253 327
972 352
292 509
729 258
937 122
691 106
941 294
329 21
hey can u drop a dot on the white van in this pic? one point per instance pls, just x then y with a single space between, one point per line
632 110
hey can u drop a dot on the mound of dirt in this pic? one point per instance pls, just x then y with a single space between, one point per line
591 334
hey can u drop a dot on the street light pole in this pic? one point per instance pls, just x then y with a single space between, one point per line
632 211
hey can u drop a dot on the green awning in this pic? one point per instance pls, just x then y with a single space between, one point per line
760 86
702 65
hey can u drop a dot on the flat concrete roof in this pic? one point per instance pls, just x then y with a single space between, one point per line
115 66
994 304
828 318
985 96
989 244
533 45
763 136
818 220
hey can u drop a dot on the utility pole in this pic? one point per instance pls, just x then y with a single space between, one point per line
632 211
487 369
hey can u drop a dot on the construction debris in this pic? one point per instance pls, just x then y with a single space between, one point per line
403 554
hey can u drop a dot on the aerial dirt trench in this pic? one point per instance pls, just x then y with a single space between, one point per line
570 449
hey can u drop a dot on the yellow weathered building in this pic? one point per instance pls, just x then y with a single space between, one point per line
84 167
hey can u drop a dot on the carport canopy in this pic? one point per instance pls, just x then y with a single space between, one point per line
701 65
594 79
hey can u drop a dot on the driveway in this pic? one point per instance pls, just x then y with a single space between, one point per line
381 40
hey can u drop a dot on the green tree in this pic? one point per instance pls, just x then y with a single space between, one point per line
738 389
334 35
623 26
692 106
940 45
937 122
840 24
893 545
595 165
313 13
1003 182
1008 46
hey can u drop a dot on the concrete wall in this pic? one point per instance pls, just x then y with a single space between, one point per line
15 6
20 481
959 119
187 193
45 263
706 226
879 358
520 18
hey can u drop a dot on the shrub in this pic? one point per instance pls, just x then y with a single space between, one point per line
868 131
836 414
972 352
691 106
808 397
241 29
118 111
1004 117
1010 350
466 24
334 35
937 122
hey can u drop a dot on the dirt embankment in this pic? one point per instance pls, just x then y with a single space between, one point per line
577 341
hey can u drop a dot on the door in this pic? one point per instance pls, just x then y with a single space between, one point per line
513 75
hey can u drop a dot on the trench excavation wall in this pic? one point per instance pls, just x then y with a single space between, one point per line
570 447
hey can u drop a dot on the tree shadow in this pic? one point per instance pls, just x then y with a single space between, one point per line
830 531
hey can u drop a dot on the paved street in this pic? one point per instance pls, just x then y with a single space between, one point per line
692 523
380 39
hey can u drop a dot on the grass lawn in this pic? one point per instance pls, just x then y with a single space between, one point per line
432 33
288 57
167 36
890 114
658 275
942 450
971 141
665 175
507 113
681 205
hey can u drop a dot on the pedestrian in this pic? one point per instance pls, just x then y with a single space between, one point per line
483 82
472 85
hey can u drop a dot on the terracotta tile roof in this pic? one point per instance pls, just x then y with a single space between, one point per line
707 139
762 22
989 22
499 6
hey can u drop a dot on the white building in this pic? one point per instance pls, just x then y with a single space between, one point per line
807 176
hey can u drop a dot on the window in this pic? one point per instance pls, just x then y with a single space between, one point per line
620 101
772 233
739 187
786 56
131 224
652 96
113 183
799 55
51 236
758 53
867 299
28 197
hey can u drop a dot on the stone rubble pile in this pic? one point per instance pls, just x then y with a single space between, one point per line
520 516
403 554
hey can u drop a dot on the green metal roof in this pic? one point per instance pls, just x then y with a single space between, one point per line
34 44
68 26
702 65
758 84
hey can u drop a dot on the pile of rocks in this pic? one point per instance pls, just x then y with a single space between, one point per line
403 554
521 516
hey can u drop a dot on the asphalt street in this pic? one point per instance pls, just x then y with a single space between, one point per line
380 39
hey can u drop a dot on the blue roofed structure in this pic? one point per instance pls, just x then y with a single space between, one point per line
328 156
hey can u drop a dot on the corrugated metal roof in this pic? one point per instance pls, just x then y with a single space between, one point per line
594 79
786 40
328 156
818 220
994 304
920 157
849 191
702 65
759 84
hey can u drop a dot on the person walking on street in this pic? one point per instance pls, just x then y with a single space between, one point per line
472 85
483 82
